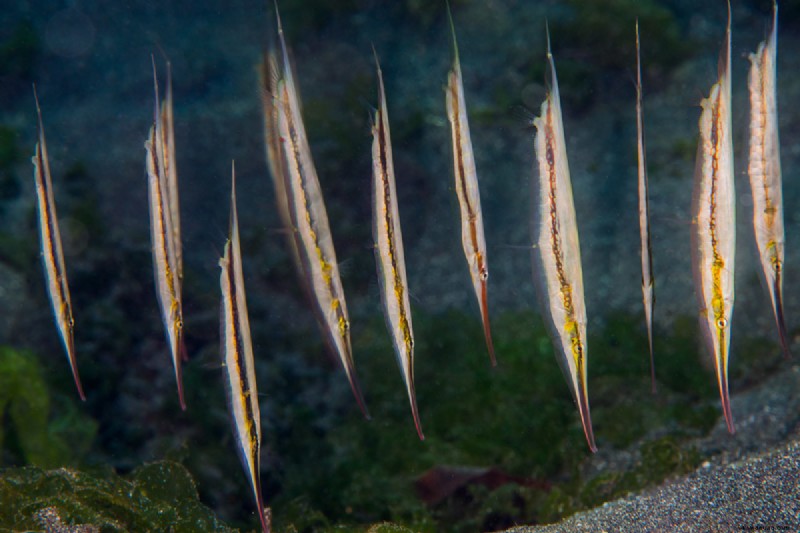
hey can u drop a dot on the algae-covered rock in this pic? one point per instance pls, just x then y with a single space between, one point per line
159 496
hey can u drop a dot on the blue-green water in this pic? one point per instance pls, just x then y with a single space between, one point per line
322 463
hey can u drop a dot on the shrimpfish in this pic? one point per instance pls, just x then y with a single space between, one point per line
469 199
556 249
52 253
389 249
648 282
765 172
162 233
309 219
238 366
714 219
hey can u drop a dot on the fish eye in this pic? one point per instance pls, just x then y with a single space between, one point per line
777 265
179 324
722 322
484 274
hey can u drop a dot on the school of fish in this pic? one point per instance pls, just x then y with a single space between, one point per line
555 246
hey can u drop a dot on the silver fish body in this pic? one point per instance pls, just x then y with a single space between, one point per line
648 280
309 221
170 166
162 236
52 251
389 250
764 169
556 250
238 364
714 219
466 184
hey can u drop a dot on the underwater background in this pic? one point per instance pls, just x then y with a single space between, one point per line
504 446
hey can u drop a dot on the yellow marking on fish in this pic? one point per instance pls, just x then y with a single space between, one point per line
570 325
467 192
764 171
389 249
558 250
326 268
391 240
715 232
52 252
238 357
315 255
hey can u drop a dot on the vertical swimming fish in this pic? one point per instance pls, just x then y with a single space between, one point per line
168 139
52 253
309 221
469 200
269 75
715 222
389 249
239 369
765 172
162 236
556 249
648 285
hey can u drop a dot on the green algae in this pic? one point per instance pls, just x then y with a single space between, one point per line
659 459
159 496
31 429
517 418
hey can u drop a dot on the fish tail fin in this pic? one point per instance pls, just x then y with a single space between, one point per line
452 33
486 326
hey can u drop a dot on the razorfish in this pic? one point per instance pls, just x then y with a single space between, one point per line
168 140
556 249
389 249
309 221
238 367
162 236
269 75
648 284
52 252
714 218
469 200
765 172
